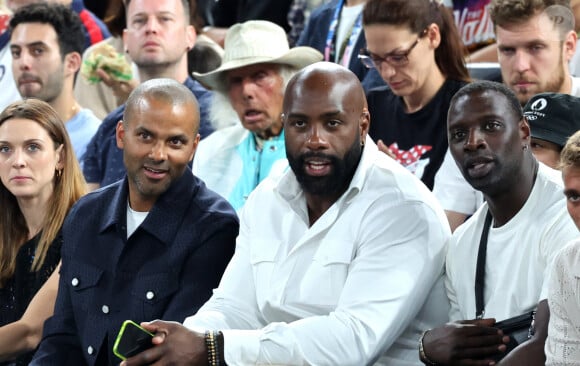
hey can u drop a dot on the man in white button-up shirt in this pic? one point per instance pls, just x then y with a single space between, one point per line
338 262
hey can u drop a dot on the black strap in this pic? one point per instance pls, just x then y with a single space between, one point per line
480 269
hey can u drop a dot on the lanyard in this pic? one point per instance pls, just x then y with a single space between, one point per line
480 269
346 48
481 259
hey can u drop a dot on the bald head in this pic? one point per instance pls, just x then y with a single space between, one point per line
165 91
325 78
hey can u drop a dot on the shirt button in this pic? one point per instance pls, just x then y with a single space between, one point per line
105 309
74 282
90 350
273 148
150 295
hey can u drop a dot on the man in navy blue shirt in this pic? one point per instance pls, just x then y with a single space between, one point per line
157 38
152 246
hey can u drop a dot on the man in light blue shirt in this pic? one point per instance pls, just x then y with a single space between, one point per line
46 43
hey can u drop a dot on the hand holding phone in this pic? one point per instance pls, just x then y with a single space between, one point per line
131 340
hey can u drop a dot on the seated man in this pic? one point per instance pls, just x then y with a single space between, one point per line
338 262
93 31
563 343
158 46
46 43
519 229
152 245
256 68
535 41
552 121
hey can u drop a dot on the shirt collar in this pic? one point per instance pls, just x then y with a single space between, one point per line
289 189
166 215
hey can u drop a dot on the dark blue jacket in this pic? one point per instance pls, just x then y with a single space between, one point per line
166 269
103 160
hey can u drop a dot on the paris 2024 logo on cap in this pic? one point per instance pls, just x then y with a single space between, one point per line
537 106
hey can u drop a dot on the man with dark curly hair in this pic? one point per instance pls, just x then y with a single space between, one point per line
46 44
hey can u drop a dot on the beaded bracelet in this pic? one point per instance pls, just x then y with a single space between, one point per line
213 352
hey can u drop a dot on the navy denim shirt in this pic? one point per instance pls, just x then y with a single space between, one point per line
103 160
165 270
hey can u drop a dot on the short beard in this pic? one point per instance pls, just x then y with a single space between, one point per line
553 85
339 178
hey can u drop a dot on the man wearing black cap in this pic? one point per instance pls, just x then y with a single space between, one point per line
552 121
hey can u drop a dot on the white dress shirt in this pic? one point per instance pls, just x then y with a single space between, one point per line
360 284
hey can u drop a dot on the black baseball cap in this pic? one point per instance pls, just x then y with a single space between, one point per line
553 117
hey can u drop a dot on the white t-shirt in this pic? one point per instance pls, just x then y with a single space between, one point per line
575 63
134 219
518 253
348 16
453 191
9 93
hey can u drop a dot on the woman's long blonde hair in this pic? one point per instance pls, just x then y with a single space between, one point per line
69 186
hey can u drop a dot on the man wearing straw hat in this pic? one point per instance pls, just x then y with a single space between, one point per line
257 65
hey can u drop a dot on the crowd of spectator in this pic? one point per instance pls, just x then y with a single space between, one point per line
297 182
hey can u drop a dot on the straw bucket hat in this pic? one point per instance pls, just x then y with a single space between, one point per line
255 42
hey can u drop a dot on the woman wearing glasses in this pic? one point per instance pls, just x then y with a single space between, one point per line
416 48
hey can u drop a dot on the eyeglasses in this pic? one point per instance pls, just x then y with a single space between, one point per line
397 59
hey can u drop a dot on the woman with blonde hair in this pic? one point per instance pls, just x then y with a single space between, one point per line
40 180
416 48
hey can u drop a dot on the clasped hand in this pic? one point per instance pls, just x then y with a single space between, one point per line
465 343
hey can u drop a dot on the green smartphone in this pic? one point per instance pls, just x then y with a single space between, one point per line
131 340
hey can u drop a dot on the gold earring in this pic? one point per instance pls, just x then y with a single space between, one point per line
58 173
